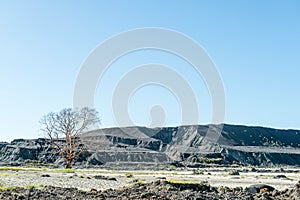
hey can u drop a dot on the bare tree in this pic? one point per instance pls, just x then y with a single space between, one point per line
64 129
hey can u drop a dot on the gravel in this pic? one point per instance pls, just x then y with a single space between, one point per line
83 182
146 185
156 190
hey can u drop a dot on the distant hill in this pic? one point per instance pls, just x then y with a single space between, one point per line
183 146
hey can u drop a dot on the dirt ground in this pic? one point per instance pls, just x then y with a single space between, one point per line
87 179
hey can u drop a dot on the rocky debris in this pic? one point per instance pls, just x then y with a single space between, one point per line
45 176
234 173
48 192
178 146
100 177
160 189
258 188
281 176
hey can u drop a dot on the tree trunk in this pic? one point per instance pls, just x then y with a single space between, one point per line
68 164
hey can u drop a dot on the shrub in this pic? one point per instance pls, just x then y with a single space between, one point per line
81 176
128 175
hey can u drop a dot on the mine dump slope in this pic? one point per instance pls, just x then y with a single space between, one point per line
191 145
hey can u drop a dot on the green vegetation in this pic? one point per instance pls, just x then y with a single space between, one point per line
10 168
38 164
139 182
44 169
7 188
183 182
7 174
225 188
65 170
172 167
128 175
2 186
188 185
31 186
81 176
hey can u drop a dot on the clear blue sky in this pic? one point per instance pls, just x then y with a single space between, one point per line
254 44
